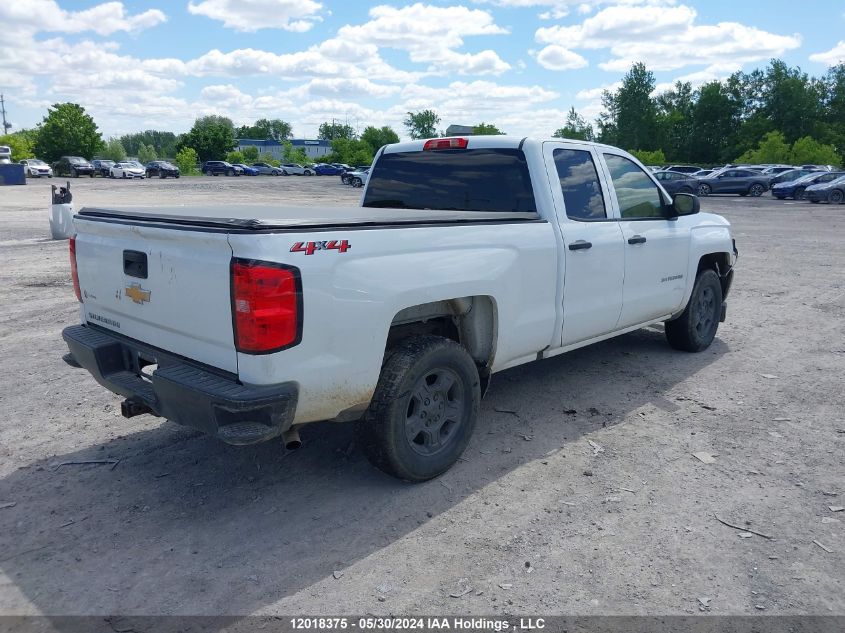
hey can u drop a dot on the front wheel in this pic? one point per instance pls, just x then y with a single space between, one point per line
74 173
695 329
308 172
703 190
757 190
357 183
424 409
836 197
230 172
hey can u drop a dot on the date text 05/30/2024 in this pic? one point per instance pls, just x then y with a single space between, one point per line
416 624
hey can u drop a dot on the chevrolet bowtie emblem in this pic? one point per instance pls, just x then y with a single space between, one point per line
137 294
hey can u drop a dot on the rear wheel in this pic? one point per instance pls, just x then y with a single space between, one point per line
704 190
74 173
424 409
756 190
695 329
836 197
799 193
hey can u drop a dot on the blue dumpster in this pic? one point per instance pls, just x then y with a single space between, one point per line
12 175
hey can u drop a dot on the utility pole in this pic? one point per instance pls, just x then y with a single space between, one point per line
6 126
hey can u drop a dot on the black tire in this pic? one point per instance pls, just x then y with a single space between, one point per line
407 400
798 194
176 176
836 197
308 172
162 175
704 190
92 174
756 190
230 172
74 173
357 183
285 173
695 329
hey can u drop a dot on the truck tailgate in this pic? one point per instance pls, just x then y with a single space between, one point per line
167 287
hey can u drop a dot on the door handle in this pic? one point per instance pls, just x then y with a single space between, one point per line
580 245
637 239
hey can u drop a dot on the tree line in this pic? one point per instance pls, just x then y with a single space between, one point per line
778 114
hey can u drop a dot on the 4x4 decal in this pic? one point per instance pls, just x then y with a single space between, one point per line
309 248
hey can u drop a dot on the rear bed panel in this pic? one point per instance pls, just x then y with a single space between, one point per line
182 306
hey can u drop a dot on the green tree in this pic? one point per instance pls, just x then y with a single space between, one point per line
351 152
655 157
576 127
235 157
422 124
250 153
715 120
331 131
807 150
21 144
146 153
211 137
186 160
674 120
294 155
486 129
264 129
114 150
377 137
268 158
772 148
67 130
630 116
163 142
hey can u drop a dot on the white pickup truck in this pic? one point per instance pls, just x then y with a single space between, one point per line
467 256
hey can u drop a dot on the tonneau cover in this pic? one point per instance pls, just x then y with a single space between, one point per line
274 218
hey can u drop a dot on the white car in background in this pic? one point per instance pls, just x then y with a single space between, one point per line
36 168
292 169
128 169
5 154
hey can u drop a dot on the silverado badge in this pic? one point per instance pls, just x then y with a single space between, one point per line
137 293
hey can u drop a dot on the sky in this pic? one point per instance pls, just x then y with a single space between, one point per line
519 64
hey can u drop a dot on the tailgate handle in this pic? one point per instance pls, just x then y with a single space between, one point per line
135 264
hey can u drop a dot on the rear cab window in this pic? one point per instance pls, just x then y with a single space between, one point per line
579 183
482 179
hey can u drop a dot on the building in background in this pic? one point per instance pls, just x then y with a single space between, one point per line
313 148
459 130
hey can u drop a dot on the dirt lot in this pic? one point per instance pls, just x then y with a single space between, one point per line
533 518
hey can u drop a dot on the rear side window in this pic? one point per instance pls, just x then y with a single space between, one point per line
638 196
579 182
458 180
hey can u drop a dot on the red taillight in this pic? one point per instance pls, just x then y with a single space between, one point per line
266 306
446 143
73 271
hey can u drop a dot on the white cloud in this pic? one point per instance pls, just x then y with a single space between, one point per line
349 87
556 57
430 35
835 55
666 38
596 93
253 15
103 19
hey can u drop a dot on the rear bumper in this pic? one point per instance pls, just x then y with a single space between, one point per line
181 391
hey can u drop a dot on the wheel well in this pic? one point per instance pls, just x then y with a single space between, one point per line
469 321
721 263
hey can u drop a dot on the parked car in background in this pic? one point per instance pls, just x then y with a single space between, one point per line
74 166
792 174
684 169
832 192
344 177
795 188
162 169
103 167
217 167
677 182
774 170
128 169
292 169
247 170
327 169
267 169
737 181
701 173
36 168
357 178
819 167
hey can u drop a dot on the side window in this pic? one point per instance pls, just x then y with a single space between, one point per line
638 196
579 182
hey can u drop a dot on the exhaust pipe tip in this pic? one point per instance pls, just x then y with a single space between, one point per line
291 439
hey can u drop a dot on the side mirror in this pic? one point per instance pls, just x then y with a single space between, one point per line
685 204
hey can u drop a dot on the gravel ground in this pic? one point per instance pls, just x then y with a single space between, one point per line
535 518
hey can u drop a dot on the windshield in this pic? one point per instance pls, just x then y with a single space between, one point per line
36 161
76 160
459 180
